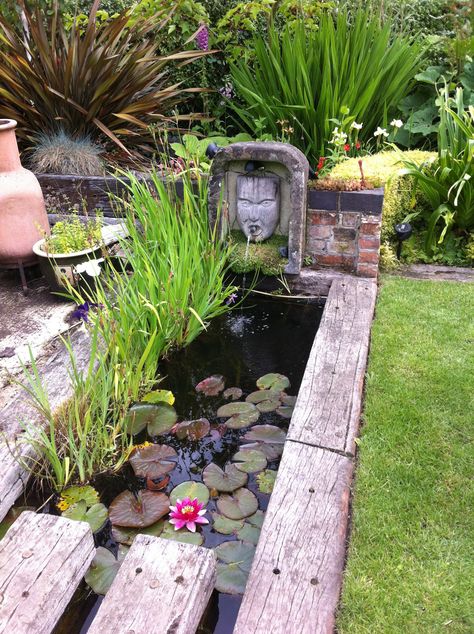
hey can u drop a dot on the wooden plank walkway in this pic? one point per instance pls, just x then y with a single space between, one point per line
329 400
296 576
162 586
42 561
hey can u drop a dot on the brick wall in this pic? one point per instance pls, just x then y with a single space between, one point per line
343 230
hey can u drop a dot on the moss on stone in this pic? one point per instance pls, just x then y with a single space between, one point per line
262 256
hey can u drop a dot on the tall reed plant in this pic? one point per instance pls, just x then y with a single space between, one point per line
307 78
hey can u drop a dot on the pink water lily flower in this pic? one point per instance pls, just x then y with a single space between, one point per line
187 513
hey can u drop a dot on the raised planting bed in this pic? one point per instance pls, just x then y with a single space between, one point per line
296 536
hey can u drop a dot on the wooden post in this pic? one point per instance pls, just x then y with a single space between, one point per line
162 586
42 561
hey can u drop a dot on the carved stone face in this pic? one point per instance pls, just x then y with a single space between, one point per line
258 206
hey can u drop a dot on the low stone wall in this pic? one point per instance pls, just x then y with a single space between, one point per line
343 230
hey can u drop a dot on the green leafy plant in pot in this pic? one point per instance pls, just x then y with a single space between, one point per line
73 253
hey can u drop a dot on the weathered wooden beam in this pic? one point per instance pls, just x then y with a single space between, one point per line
327 410
162 586
296 575
42 561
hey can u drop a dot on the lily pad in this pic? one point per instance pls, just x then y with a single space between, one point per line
224 525
192 429
228 480
286 411
256 519
238 421
211 386
190 490
138 511
266 434
127 535
104 568
286 399
157 418
268 406
95 516
250 460
236 553
233 567
266 481
74 494
239 407
242 503
263 395
271 451
182 535
273 381
159 396
153 461
249 534
232 392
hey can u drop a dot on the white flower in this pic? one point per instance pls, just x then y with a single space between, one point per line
381 131
397 123
356 126
91 267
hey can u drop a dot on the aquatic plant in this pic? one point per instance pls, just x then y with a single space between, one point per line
187 513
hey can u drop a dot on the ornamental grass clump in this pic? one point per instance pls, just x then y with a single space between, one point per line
308 77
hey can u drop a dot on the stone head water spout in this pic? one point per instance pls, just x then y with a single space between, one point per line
258 206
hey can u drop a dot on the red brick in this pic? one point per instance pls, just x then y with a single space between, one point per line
367 270
334 260
370 228
367 257
342 248
323 218
369 242
320 231
350 219
317 246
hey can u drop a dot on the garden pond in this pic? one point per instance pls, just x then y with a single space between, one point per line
218 439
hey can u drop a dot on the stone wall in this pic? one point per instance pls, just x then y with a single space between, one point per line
343 230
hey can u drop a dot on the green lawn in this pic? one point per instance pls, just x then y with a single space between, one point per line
411 556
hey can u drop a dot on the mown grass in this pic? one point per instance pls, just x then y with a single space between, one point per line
410 563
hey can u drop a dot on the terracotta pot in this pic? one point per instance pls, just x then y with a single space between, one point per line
23 218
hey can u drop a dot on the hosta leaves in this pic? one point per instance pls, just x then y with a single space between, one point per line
190 490
239 407
104 568
250 460
263 395
159 396
273 381
182 535
266 481
238 421
224 525
140 510
126 536
268 406
227 480
242 503
211 386
266 434
74 494
235 561
233 392
157 418
95 516
153 461
192 429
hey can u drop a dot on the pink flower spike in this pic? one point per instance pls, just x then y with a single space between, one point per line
187 513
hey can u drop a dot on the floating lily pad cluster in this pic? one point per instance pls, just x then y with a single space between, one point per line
146 510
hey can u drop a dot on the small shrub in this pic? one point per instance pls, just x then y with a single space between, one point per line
71 234
61 154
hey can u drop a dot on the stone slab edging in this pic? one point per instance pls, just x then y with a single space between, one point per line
296 575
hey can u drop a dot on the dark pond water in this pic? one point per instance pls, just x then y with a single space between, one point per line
264 336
